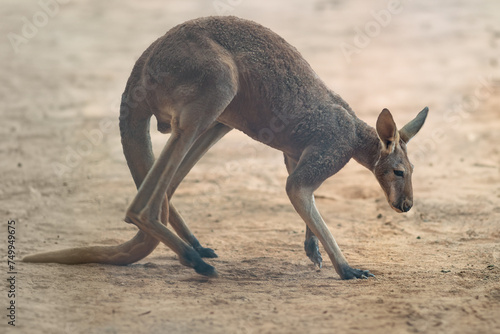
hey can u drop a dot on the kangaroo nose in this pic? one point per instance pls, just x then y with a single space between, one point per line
406 206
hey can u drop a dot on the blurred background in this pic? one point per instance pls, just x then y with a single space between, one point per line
64 65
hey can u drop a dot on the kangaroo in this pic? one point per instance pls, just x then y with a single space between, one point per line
208 76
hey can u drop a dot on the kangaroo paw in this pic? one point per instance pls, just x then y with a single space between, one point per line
312 251
351 273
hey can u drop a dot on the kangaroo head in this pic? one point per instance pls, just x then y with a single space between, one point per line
393 169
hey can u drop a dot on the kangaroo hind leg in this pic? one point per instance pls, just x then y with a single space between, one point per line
189 121
199 148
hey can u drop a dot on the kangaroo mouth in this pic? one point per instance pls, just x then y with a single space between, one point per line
395 208
404 205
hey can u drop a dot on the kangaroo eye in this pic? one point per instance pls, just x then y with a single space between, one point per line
399 173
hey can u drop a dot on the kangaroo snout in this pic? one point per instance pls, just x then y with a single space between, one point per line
403 206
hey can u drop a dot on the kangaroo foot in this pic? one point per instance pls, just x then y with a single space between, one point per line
188 256
312 251
192 258
205 252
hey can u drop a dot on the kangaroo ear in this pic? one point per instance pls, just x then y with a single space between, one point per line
411 129
387 131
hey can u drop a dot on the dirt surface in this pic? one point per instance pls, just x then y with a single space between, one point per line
65 182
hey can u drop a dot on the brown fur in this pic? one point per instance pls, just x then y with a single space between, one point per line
210 75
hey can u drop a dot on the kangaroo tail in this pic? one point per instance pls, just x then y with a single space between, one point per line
136 142
129 252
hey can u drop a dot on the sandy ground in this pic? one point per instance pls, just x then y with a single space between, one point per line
65 182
